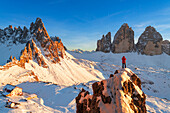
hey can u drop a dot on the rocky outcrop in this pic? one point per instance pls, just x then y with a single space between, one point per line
166 47
150 42
104 44
121 93
123 40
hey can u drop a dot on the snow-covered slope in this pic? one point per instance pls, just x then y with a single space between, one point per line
67 73
154 71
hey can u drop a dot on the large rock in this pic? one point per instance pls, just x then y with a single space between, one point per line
104 44
150 42
123 40
121 93
166 47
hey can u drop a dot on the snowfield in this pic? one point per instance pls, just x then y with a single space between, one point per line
61 83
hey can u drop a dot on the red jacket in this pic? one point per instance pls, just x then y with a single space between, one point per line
123 59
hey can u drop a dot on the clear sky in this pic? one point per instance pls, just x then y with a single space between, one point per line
80 23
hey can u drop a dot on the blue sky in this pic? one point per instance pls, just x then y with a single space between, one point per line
80 23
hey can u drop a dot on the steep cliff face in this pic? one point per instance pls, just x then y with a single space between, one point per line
123 40
104 44
166 47
121 93
150 42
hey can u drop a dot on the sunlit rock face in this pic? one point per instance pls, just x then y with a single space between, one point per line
150 42
38 43
121 93
104 44
51 49
123 40
166 47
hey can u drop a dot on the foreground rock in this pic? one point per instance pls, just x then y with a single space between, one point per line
104 44
166 47
123 40
150 42
121 93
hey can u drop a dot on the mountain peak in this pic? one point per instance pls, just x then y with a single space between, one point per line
38 20
38 26
150 28
125 25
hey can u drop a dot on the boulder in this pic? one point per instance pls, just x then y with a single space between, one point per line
150 42
120 93
123 40
104 44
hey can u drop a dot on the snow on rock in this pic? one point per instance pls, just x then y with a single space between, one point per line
119 94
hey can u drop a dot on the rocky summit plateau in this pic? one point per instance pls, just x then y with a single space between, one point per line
149 43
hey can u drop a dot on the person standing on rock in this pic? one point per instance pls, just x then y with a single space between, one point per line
123 62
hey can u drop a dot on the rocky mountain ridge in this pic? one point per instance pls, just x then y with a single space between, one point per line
149 43
38 44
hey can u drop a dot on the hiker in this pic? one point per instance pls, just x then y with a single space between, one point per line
123 62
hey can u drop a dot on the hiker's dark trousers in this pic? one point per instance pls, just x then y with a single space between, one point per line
123 65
